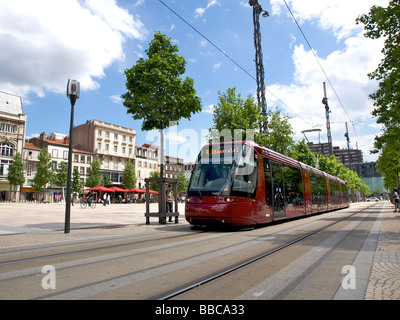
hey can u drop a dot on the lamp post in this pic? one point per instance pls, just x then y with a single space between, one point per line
73 90
257 10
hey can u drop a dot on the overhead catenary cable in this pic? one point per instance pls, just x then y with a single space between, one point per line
320 65
226 55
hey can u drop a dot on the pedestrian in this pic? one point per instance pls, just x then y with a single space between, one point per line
108 199
169 199
105 199
396 200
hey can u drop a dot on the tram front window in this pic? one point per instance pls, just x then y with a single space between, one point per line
231 173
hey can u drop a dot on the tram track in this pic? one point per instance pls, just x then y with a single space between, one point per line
178 292
159 267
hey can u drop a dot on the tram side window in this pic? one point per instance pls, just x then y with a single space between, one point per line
245 181
293 186
334 192
345 192
268 182
318 189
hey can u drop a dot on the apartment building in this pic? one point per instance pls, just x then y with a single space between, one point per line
57 145
147 160
111 144
12 136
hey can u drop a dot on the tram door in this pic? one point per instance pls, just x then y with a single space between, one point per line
274 185
278 190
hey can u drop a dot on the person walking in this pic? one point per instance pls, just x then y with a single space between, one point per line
105 199
169 199
396 201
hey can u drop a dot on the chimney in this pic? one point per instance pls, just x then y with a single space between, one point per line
43 136
66 140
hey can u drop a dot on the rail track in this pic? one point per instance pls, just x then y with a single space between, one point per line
176 264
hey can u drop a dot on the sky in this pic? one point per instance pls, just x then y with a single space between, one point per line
43 43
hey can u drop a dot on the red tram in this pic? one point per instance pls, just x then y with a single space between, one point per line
240 183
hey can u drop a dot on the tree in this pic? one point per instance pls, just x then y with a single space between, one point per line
76 185
60 177
384 23
129 179
16 171
183 183
302 152
233 117
389 166
156 92
105 178
94 174
154 174
233 113
44 173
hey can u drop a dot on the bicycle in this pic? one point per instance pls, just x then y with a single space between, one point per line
85 203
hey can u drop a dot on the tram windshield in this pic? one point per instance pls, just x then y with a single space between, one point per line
225 170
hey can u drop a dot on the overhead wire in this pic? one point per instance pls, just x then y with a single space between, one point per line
323 70
231 59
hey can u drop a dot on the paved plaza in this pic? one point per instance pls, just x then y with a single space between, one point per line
31 223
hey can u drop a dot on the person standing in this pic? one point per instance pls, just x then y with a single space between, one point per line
170 200
105 199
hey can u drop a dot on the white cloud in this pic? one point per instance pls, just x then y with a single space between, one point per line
216 66
45 42
199 12
338 16
347 69
209 109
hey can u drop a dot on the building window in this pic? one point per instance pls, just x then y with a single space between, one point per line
28 169
115 149
65 154
55 153
7 150
82 159
99 133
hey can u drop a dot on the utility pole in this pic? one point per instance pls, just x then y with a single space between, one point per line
328 122
348 146
257 10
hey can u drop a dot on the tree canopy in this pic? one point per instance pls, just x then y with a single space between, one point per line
156 93
384 22
241 119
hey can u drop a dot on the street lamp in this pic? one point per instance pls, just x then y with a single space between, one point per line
257 10
73 90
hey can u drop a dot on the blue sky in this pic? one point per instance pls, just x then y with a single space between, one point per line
46 42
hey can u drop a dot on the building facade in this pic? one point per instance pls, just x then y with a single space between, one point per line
12 137
58 147
147 161
112 145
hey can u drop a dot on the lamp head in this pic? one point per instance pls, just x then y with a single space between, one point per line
73 88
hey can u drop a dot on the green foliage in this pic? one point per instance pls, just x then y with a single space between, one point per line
129 179
234 115
383 22
302 152
183 183
16 171
76 185
60 176
154 174
93 174
44 172
156 93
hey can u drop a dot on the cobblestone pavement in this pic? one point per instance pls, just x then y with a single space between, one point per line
384 282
